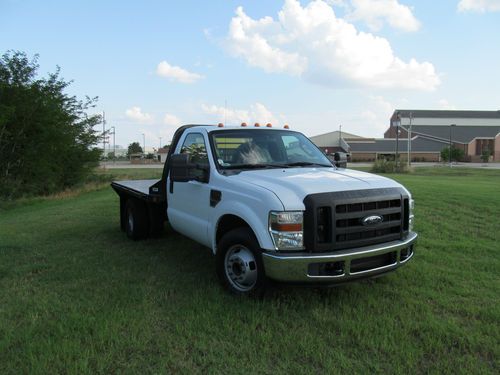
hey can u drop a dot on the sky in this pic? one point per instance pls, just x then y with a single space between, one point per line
315 65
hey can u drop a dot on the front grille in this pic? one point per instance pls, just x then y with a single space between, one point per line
334 221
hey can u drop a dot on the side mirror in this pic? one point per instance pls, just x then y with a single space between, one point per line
340 159
182 169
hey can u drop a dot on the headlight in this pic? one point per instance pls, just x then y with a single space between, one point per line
411 218
286 230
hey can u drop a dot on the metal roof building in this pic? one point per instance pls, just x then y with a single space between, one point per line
430 131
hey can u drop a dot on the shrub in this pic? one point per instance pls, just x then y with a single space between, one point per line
457 154
485 155
389 166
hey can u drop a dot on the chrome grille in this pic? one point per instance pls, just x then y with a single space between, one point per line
334 221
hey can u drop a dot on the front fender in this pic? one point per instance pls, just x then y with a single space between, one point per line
255 217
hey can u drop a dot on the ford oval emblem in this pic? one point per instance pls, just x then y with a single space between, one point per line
372 220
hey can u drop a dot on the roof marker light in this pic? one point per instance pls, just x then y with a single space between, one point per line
220 125
286 126
257 125
243 124
269 125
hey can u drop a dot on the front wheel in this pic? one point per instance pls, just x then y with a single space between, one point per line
239 263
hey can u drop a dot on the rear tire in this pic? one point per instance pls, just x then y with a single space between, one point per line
239 263
137 222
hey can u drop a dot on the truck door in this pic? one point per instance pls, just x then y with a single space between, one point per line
189 202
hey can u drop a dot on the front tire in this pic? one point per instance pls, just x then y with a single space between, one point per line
239 263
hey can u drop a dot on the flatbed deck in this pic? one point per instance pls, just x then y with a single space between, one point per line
138 188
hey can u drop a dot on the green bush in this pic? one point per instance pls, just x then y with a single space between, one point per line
46 137
389 166
457 154
485 155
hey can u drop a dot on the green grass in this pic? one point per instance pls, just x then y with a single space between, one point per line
76 296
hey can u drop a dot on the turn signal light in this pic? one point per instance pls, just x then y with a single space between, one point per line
286 227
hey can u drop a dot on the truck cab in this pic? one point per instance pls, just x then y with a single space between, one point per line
271 205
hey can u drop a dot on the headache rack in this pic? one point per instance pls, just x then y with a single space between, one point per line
334 221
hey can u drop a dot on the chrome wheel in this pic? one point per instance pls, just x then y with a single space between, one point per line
241 268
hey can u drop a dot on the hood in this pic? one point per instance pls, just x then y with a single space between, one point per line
292 185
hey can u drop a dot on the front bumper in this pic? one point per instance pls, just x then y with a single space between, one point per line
339 266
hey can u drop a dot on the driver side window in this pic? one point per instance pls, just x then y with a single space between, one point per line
194 145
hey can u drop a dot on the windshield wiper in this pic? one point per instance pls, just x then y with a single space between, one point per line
256 166
307 164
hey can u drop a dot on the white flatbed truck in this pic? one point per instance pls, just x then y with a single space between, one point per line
271 205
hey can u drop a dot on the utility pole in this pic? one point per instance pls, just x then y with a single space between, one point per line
160 144
449 153
408 131
103 139
340 136
143 144
397 122
114 145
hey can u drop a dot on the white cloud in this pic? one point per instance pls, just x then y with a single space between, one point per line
445 104
480 6
312 42
254 39
176 73
171 120
376 115
136 114
256 113
375 12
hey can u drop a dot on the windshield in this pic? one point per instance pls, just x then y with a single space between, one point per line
247 149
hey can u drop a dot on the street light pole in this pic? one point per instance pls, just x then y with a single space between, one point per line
449 154
397 122
408 131
160 144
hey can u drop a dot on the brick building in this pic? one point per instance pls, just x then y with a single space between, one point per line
430 132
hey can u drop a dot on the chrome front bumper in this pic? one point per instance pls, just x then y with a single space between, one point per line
339 266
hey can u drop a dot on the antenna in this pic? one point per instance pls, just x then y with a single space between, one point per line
225 110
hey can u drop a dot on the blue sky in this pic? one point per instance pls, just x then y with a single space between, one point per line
315 65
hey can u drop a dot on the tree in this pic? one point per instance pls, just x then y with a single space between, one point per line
457 154
134 148
46 135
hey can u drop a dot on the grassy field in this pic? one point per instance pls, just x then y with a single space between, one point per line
76 296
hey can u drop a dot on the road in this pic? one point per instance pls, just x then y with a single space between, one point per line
126 164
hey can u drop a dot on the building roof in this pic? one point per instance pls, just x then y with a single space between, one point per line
388 145
462 134
331 139
416 113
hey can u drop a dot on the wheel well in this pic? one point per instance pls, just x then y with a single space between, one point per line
228 223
